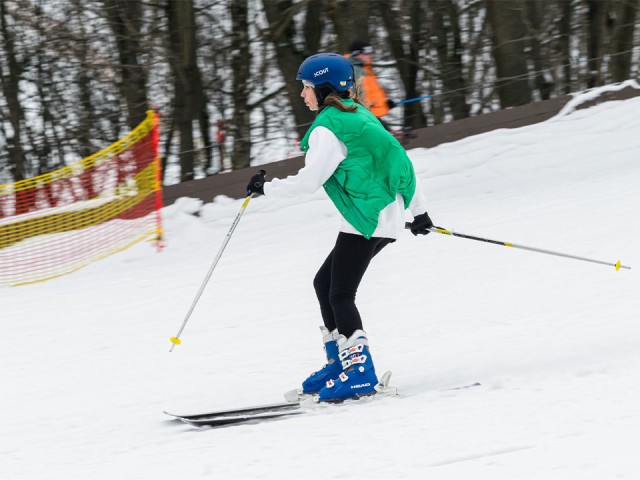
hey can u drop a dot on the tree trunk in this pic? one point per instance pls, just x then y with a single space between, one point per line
350 21
597 15
407 62
446 30
534 11
11 88
281 32
565 45
622 40
314 24
240 61
188 92
125 20
507 36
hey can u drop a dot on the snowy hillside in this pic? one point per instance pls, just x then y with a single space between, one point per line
86 369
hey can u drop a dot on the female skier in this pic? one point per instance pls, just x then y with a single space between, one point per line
368 176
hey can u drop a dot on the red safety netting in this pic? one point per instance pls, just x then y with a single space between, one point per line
56 223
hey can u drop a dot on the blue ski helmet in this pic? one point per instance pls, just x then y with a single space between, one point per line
327 68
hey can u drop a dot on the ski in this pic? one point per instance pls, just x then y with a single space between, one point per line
298 404
258 410
241 415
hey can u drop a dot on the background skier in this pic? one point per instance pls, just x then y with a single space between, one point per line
369 89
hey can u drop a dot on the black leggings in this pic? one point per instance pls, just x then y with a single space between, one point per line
336 283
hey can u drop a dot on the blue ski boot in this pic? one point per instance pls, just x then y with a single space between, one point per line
358 378
331 370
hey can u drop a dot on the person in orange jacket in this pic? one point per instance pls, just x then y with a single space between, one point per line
371 93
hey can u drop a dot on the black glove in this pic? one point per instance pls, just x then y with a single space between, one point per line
391 104
421 224
256 184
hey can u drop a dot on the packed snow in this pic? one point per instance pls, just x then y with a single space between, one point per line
555 343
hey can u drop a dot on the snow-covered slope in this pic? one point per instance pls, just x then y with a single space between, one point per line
86 369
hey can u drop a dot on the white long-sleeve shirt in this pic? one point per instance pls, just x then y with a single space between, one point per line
323 157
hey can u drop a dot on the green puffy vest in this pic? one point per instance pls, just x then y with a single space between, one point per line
375 170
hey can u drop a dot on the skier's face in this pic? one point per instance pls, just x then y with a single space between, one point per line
365 58
309 95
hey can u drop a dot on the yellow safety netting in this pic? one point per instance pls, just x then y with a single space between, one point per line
56 223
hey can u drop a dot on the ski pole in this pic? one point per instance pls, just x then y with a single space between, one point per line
408 100
444 231
176 340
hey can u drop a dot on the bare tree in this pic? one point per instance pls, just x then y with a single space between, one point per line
350 21
125 20
626 14
406 54
11 71
597 14
534 23
188 95
289 53
564 44
445 24
508 39
240 63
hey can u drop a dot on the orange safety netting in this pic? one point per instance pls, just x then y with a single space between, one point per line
61 221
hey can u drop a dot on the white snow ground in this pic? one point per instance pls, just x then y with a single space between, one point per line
86 370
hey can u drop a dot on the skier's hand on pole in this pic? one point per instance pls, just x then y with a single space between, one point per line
417 229
421 224
256 184
176 340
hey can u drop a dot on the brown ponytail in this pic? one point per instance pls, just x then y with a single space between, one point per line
334 99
